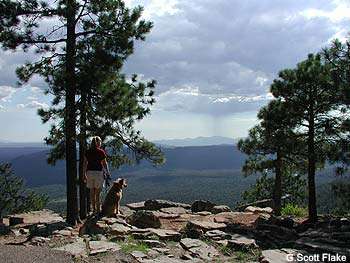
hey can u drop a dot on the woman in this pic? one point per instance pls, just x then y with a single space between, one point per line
95 169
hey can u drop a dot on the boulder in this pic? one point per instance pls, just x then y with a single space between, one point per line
278 255
199 249
35 217
165 215
159 204
166 235
220 208
258 210
241 243
136 206
96 247
126 211
217 235
260 203
119 229
201 205
144 219
154 243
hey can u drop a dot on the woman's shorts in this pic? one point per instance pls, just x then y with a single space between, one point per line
94 179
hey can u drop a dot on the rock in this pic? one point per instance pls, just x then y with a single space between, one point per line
109 220
97 247
284 221
100 228
35 217
169 259
76 249
39 240
166 235
220 208
322 246
136 206
260 203
119 229
63 232
174 210
162 250
200 205
242 243
217 235
258 210
279 232
144 219
126 211
203 213
159 204
205 225
154 243
138 255
277 255
199 249
165 215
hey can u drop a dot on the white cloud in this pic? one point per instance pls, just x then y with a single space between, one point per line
2 108
6 93
33 105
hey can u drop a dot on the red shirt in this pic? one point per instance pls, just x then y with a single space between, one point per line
94 158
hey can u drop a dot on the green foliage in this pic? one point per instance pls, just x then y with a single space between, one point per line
293 187
131 245
341 191
13 196
293 210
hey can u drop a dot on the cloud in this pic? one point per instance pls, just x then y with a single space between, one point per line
33 105
6 93
227 50
189 99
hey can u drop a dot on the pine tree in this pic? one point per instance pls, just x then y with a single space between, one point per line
312 101
22 24
269 147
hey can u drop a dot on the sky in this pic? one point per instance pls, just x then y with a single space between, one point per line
213 62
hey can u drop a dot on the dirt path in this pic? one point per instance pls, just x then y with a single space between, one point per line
22 254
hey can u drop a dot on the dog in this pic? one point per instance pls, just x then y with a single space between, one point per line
111 204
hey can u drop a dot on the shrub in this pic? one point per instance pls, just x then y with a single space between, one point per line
14 198
293 210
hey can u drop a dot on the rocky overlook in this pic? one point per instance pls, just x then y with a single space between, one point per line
165 231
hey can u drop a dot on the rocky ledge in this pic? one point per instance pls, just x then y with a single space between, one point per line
165 231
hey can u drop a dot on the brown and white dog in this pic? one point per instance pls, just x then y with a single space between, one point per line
111 203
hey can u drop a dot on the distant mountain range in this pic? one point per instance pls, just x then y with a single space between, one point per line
30 163
199 141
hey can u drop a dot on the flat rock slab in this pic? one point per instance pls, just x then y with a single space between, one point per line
119 229
259 210
277 255
205 225
165 215
242 219
167 259
158 204
166 234
220 208
199 249
239 242
217 235
97 247
136 206
174 210
35 217
76 249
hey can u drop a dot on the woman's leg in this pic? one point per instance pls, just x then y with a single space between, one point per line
97 196
93 199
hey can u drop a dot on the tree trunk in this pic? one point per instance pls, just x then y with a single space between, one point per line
312 168
277 194
70 117
82 151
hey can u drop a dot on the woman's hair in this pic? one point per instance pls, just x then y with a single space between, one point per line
94 142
